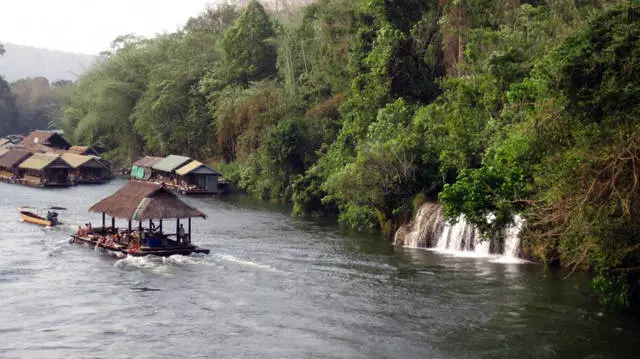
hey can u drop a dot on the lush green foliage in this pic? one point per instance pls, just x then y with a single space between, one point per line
359 108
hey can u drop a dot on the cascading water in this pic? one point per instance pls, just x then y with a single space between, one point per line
430 230
512 237
426 228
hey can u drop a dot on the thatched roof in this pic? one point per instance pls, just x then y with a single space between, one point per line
143 200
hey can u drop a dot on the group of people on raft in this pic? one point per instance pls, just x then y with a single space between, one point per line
135 243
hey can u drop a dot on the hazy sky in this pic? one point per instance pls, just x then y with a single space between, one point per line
89 26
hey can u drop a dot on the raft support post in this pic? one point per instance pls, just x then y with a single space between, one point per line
178 229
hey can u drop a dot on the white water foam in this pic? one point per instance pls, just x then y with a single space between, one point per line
512 237
462 239
236 260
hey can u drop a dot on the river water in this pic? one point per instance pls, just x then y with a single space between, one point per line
280 287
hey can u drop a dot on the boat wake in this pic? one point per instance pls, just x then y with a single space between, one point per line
246 263
159 265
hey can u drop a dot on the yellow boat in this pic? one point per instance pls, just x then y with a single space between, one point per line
28 215
34 218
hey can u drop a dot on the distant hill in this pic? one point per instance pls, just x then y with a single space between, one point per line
21 61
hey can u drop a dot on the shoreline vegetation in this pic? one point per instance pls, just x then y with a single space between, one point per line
367 109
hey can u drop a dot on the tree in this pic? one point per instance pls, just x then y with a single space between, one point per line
248 50
8 111
39 104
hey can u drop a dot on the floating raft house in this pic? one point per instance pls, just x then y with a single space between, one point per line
141 202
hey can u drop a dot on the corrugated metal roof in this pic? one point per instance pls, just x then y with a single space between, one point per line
46 138
193 166
42 160
13 157
171 163
76 161
147 161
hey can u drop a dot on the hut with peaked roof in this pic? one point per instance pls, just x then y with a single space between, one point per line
10 159
45 170
45 141
196 177
86 169
83 150
139 202
165 169
142 168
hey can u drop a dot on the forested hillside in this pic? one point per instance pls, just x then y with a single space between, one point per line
28 100
21 62
365 109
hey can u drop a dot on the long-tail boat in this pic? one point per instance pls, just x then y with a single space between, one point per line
30 215
141 202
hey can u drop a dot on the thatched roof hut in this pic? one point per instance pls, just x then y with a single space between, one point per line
142 200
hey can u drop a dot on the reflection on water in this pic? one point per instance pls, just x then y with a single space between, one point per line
276 286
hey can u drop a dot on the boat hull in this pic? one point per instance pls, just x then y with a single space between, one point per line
34 218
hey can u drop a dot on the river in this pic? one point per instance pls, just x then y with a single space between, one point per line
280 287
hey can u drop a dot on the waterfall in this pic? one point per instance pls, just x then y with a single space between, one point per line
430 230
511 237
425 229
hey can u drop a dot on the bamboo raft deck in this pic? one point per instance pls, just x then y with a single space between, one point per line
188 189
126 245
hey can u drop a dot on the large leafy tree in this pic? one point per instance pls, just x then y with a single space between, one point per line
248 50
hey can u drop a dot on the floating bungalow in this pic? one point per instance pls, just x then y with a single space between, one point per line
180 173
45 141
44 170
142 202
45 158
196 178
10 159
165 169
142 169
86 169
